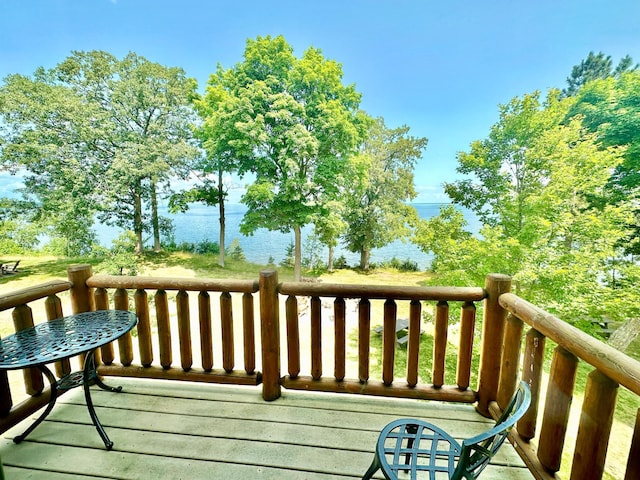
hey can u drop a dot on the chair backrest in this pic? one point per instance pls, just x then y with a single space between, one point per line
478 451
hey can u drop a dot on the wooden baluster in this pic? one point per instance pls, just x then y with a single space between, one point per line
389 341
532 369
206 332
6 402
226 319
413 346
33 381
440 343
465 348
144 327
293 336
633 465
270 334
562 378
510 368
364 339
248 324
101 297
53 309
184 330
492 334
316 338
125 344
340 338
164 328
594 429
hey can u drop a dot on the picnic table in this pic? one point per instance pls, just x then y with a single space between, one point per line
402 330
8 268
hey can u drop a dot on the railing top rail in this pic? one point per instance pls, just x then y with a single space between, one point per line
29 294
162 283
613 363
457 294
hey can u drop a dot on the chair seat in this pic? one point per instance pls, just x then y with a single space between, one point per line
411 448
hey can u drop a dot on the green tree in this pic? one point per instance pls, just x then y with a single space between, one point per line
46 133
376 211
98 132
542 228
595 67
292 124
610 108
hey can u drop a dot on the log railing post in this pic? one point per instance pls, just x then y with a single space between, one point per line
492 334
249 336
125 343
81 295
53 309
595 427
270 334
293 336
206 336
413 347
141 302
440 343
340 338
23 319
510 363
557 408
465 349
633 464
101 299
316 337
390 316
364 342
532 369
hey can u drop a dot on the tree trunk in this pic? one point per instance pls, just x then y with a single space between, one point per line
365 255
627 333
297 266
330 261
222 218
154 218
137 217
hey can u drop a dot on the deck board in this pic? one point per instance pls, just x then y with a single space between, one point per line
178 430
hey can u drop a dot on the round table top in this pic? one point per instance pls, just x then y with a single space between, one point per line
62 338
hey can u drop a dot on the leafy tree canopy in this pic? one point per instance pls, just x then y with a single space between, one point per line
291 123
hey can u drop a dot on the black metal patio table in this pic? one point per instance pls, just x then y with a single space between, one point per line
59 339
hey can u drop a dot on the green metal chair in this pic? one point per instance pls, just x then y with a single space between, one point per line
423 451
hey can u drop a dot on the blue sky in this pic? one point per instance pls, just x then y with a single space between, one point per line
441 68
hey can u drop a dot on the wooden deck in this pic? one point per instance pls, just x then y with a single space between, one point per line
179 430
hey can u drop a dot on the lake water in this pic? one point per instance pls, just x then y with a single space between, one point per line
202 223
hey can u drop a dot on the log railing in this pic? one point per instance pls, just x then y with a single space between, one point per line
180 337
611 369
37 393
391 383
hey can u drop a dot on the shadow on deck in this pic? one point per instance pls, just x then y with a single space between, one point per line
180 430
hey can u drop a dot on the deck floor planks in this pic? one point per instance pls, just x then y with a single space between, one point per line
181 430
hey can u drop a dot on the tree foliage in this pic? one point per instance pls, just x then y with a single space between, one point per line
376 209
596 67
288 121
532 182
98 133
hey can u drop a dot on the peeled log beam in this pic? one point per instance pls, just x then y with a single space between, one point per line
446 393
460 294
613 363
162 283
26 295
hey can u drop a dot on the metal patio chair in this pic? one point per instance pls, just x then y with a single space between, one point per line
410 448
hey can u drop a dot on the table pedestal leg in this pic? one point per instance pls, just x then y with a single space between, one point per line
89 372
52 402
